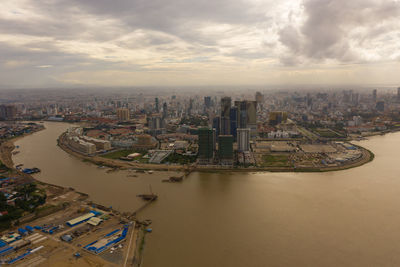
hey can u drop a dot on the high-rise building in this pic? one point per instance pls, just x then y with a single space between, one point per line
190 108
252 118
225 149
260 100
8 112
206 145
225 125
233 116
156 124
157 105
243 139
165 110
259 97
374 95
123 114
398 93
216 125
247 116
207 102
380 106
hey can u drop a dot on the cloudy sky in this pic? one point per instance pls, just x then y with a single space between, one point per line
61 43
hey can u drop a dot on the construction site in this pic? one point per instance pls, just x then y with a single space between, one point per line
81 234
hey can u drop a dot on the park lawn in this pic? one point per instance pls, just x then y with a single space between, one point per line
119 154
327 133
275 160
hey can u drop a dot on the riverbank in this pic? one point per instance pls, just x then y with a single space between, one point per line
63 204
366 157
7 146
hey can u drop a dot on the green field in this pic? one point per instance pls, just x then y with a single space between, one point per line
180 159
118 154
327 133
275 161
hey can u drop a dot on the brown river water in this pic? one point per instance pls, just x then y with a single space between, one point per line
343 218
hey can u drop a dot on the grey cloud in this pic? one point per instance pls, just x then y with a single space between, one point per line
326 33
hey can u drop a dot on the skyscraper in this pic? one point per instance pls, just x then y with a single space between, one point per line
243 139
247 116
156 124
380 106
207 102
8 112
225 125
374 95
157 105
225 149
165 110
206 145
398 93
216 125
233 116
259 97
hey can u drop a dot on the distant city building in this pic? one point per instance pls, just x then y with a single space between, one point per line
276 117
398 93
8 112
225 125
216 125
259 98
380 106
247 116
156 124
234 121
157 105
243 139
207 102
225 149
374 95
123 114
165 110
190 108
206 143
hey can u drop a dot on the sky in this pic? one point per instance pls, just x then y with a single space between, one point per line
78 43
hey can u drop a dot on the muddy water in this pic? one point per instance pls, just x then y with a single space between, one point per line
344 218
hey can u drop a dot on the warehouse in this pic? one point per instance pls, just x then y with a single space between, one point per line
80 219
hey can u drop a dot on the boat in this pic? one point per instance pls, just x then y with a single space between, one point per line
132 175
150 172
173 179
15 152
112 170
148 197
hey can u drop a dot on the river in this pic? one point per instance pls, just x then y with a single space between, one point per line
343 218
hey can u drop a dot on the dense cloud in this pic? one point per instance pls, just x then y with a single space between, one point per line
343 30
192 41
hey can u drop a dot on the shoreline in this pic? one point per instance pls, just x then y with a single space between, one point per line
367 156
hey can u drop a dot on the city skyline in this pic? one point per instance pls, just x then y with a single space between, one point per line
171 43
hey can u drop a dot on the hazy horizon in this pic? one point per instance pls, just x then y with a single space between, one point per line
265 43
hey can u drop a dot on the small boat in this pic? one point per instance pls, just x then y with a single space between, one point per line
150 172
173 179
15 152
112 170
148 197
